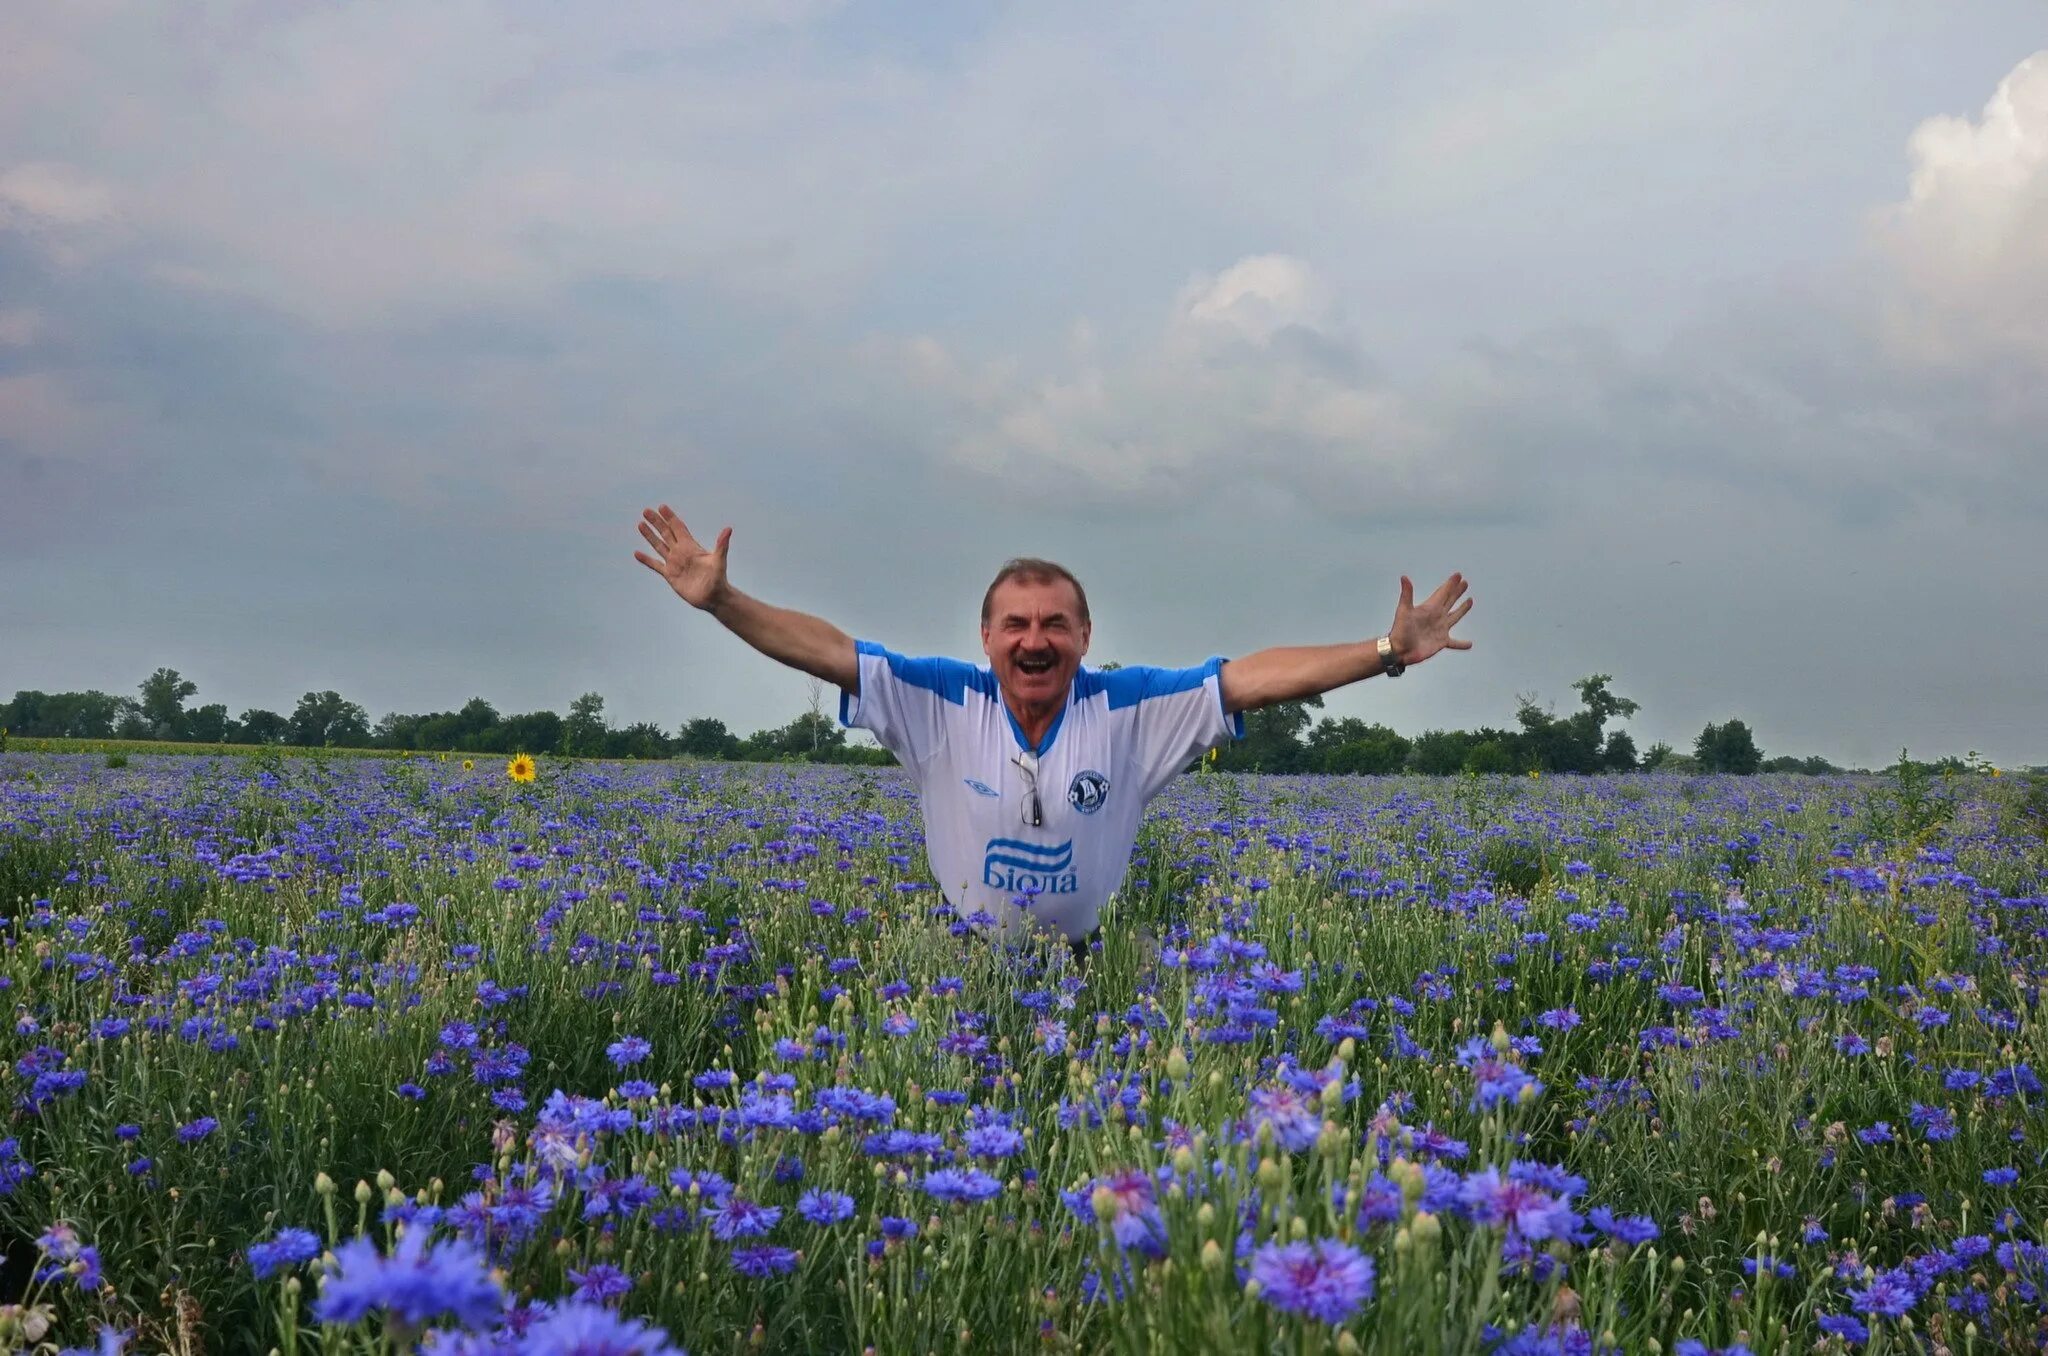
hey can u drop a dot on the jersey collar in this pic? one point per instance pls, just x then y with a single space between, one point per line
1051 731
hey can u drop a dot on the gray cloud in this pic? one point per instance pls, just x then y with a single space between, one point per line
339 346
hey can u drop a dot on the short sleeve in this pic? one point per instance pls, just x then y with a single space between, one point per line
1175 714
905 703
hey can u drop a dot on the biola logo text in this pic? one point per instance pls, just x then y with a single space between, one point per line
1021 868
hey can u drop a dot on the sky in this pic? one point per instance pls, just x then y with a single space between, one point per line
341 345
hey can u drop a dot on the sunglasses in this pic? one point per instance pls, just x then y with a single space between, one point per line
1033 808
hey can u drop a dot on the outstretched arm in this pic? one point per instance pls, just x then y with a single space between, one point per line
797 639
1290 672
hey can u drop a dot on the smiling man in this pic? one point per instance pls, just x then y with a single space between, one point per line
1034 771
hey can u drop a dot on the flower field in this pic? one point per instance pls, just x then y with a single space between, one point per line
373 1055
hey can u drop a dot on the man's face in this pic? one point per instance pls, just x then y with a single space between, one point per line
1034 639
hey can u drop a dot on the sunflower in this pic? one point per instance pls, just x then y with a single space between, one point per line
469 765
520 769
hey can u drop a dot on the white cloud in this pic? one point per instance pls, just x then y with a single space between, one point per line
1251 389
19 326
39 195
1970 240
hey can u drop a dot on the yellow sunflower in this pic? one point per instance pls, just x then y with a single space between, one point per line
469 765
520 769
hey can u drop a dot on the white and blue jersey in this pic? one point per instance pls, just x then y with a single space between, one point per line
1122 737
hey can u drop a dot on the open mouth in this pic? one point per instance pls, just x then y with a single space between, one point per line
1035 664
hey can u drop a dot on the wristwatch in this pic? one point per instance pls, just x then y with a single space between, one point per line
1390 662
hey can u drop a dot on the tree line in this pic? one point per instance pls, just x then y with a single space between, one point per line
1284 738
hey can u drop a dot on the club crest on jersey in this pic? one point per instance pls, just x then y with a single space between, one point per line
981 788
1019 868
1087 791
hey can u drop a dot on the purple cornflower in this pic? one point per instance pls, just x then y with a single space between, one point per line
600 1283
417 1284
627 1050
1132 1206
1532 1212
1296 1120
1326 1280
288 1249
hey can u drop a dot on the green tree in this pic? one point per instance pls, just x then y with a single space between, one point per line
1272 739
1438 753
641 739
1620 753
534 732
1350 746
583 733
1491 756
258 726
706 737
1656 756
208 724
326 719
1727 748
163 703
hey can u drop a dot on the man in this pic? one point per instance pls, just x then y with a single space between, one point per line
1034 772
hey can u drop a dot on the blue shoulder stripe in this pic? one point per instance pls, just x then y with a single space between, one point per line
1129 686
951 679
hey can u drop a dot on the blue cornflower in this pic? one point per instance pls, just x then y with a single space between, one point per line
825 1207
1889 1295
960 1184
627 1050
763 1260
417 1284
193 1132
737 1217
2001 1176
578 1329
993 1141
1628 1229
1845 1326
1326 1280
288 1249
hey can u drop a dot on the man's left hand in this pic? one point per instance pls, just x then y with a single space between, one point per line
1422 629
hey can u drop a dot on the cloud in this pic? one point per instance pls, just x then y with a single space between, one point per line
1254 388
1970 240
39 195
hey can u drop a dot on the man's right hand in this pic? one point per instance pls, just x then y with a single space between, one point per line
697 575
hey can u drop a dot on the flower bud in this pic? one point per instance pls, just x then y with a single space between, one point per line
1176 1065
1103 1201
385 1181
1212 1256
363 1193
1499 1039
1269 1173
1426 1228
323 1185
